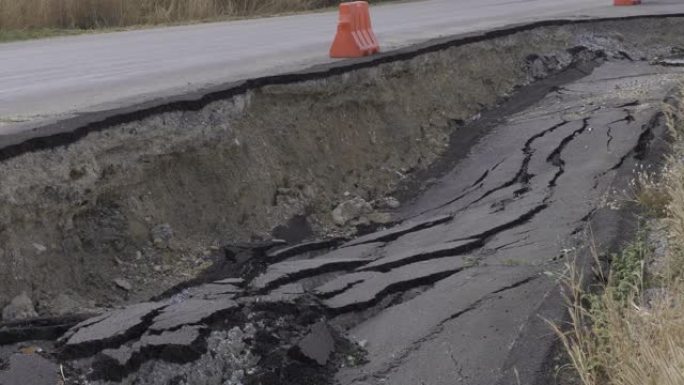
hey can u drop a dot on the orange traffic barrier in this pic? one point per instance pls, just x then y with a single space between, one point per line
626 2
355 36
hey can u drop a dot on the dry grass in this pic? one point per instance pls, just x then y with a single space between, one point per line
91 14
675 189
627 335
626 342
650 191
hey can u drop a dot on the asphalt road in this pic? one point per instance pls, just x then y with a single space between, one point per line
46 80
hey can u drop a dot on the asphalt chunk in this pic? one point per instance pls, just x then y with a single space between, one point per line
191 312
317 345
374 288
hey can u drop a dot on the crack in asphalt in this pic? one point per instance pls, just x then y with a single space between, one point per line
392 234
522 176
93 346
465 191
637 151
610 137
426 256
514 246
629 104
628 119
555 156
398 287
506 226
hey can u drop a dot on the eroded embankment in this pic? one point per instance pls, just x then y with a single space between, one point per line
149 200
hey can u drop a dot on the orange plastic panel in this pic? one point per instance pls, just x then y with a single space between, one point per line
355 36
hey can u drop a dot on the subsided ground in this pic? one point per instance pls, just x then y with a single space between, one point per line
152 197
502 152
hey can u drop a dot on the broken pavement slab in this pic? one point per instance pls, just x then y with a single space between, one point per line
212 291
411 255
363 294
21 308
285 252
317 345
176 346
393 333
343 282
289 271
399 230
30 369
111 329
191 312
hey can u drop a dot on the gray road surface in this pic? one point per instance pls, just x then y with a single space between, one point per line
45 80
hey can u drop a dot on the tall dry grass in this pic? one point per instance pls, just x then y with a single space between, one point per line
627 340
675 189
90 14
629 334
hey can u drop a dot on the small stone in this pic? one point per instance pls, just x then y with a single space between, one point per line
360 221
388 203
29 350
115 324
237 377
118 357
21 308
157 268
380 218
349 210
230 281
123 284
363 344
40 248
161 235
65 304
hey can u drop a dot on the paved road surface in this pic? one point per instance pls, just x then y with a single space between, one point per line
45 80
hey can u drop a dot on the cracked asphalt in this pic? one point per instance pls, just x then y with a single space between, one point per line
451 294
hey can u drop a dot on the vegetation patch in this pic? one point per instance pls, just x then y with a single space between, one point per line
631 330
